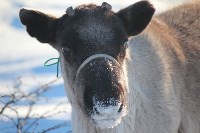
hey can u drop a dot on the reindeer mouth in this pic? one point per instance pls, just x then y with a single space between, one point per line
101 90
106 123
108 117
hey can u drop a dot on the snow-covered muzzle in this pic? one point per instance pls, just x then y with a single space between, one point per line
101 91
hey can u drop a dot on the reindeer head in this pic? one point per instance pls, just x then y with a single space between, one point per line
92 42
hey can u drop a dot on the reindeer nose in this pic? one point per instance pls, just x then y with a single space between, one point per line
110 108
106 115
103 88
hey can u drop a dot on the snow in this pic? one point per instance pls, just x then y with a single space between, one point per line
107 116
22 59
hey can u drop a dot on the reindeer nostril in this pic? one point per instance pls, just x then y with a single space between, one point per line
121 107
102 109
96 111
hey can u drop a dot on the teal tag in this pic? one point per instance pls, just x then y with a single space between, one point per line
57 61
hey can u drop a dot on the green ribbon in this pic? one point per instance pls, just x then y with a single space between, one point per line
54 63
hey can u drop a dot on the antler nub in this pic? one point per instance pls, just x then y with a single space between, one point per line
70 11
106 5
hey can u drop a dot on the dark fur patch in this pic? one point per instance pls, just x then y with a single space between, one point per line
69 35
39 25
136 17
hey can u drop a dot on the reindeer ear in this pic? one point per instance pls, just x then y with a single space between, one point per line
39 25
136 17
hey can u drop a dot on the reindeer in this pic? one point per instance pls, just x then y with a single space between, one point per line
126 72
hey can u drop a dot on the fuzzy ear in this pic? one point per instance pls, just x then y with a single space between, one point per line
136 17
39 25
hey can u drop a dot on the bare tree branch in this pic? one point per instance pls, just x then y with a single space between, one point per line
55 127
23 125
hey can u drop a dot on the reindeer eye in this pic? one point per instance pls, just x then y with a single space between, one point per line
66 51
126 44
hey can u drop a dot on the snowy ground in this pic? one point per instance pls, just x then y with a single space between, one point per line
22 59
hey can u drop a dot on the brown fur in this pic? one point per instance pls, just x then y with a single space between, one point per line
178 31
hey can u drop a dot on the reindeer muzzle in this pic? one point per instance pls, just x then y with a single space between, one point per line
101 78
